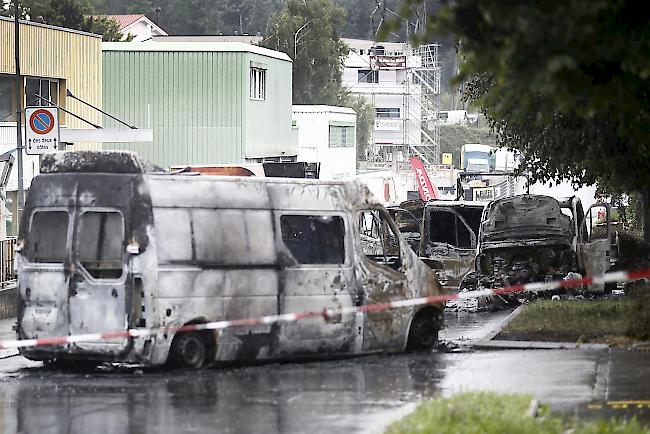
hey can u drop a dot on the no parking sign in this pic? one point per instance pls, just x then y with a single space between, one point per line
42 130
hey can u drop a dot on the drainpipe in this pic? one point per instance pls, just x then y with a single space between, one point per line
19 111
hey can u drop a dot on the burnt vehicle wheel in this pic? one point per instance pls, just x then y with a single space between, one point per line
423 334
188 350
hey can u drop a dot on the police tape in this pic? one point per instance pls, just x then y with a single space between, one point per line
328 313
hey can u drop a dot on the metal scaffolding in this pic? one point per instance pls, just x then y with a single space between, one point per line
420 91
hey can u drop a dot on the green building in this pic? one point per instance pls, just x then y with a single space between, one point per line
207 102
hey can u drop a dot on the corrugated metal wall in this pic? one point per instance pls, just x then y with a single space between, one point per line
192 100
54 53
268 123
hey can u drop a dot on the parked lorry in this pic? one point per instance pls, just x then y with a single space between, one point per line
109 244
475 157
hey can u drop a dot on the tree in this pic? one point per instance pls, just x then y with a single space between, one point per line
565 82
70 14
307 32
365 120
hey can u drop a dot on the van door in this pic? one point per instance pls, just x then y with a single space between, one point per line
381 280
595 244
97 286
449 240
319 274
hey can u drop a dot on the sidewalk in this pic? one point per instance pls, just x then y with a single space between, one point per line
7 333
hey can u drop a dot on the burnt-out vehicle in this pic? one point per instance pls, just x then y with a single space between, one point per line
449 237
534 238
109 244
444 233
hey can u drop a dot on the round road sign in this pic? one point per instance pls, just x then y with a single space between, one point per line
41 121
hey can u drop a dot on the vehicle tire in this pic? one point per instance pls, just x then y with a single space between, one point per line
188 350
423 334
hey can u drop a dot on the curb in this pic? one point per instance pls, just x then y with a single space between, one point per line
489 343
5 354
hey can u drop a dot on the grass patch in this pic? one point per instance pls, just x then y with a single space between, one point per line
602 321
492 413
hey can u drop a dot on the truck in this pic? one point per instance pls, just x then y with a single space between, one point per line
475 157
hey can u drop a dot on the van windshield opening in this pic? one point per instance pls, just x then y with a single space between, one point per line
100 244
48 237
446 227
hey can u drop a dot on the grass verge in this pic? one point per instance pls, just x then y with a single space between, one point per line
492 413
596 321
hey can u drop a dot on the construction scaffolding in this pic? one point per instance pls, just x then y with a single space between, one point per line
419 89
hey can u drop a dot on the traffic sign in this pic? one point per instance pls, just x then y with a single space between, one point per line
42 131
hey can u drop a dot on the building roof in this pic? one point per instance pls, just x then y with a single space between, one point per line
246 39
48 26
193 46
322 109
124 21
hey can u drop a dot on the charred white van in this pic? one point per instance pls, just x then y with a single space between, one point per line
108 244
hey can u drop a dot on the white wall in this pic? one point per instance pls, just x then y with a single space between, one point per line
313 140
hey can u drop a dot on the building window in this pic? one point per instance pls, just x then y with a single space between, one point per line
387 112
314 239
258 84
367 76
41 87
341 136
7 99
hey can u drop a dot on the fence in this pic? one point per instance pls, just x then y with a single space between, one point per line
7 255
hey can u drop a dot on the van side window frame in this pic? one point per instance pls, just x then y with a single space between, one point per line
278 214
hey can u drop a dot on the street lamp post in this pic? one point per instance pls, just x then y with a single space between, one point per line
296 40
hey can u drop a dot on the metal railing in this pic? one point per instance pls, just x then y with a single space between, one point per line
7 256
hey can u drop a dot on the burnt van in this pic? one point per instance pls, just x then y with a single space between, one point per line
109 243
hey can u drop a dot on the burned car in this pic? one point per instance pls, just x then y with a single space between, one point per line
534 238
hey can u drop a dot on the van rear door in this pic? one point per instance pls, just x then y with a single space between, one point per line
98 279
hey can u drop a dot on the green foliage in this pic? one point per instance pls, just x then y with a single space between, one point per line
571 320
639 327
71 14
365 121
307 32
564 82
492 413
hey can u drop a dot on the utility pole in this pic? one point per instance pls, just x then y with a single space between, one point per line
19 112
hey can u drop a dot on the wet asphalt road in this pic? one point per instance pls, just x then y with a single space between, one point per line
361 394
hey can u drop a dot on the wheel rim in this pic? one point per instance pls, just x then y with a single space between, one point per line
192 350
424 334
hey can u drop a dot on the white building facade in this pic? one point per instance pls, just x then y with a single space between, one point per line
327 135
395 80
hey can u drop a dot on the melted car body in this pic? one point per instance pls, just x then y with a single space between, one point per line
110 244
534 238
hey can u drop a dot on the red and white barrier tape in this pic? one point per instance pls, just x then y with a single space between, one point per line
618 276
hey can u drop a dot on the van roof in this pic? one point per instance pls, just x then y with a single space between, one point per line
249 192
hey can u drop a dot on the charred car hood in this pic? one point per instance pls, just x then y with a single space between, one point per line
528 218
